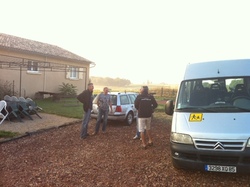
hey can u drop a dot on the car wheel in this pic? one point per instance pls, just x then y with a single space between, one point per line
129 118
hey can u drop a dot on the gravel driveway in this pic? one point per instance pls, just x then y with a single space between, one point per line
58 157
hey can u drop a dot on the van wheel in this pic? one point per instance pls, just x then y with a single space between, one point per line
129 118
176 166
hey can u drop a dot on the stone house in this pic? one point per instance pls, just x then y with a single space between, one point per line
32 66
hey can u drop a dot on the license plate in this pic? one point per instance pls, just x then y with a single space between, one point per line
217 168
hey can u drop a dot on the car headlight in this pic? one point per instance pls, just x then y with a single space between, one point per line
248 142
181 138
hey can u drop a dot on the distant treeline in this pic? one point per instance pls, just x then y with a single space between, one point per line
107 81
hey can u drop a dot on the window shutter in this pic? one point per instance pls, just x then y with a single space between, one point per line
67 73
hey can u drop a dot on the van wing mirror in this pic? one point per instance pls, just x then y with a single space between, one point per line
169 107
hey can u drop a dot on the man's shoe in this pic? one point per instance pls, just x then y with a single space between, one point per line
85 136
136 137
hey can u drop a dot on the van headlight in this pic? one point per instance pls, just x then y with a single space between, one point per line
181 138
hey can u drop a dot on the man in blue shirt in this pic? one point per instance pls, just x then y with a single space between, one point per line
104 103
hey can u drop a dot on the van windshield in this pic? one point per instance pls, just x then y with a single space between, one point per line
229 94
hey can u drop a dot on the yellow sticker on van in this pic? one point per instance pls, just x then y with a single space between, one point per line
195 117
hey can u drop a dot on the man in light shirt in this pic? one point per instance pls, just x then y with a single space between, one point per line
104 103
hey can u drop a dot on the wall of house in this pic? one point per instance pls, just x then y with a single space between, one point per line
27 84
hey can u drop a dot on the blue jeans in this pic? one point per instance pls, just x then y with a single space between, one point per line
101 113
85 123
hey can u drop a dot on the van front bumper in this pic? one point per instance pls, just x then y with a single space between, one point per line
188 157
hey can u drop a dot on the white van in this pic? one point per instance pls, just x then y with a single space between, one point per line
211 117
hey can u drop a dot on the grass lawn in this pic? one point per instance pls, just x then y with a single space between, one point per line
67 107
7 134
70 107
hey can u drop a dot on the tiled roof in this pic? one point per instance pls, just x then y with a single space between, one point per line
31 46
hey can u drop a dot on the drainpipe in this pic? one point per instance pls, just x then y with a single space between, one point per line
86 77
20 83
44 74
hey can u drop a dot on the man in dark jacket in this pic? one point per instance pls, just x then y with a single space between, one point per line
145 104
86 98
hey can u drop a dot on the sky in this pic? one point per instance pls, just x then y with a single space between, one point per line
139 40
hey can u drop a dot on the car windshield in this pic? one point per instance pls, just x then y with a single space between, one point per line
229 94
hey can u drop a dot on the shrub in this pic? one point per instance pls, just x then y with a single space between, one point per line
67 89
5 89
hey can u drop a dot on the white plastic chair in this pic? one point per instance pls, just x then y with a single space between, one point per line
3 111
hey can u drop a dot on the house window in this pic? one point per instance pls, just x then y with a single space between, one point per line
74 73
32 66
